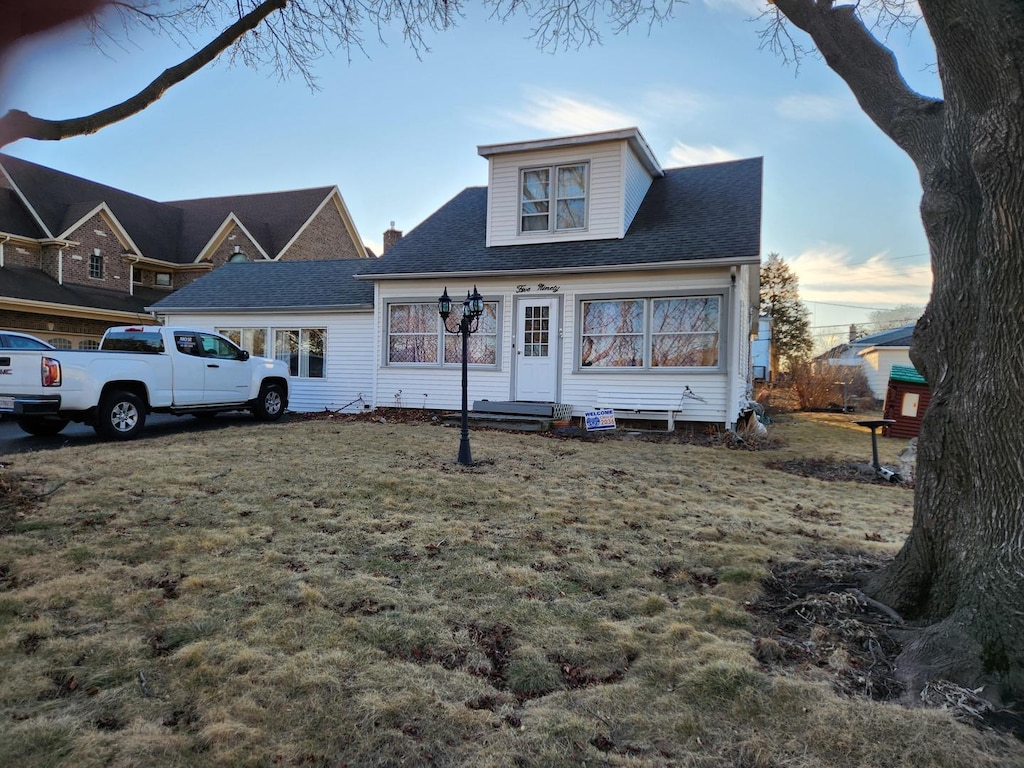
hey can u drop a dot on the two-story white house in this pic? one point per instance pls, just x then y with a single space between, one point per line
608 281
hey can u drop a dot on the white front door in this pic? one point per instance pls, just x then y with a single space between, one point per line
537 349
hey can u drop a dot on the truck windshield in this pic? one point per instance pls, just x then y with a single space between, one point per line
133 341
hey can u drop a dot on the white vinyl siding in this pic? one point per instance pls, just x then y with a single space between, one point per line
637 182
604 203
349 353
653 389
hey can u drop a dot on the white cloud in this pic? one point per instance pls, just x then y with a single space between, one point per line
557 114
810 108
828 274
689 154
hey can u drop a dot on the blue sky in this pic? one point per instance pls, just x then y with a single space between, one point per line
398 134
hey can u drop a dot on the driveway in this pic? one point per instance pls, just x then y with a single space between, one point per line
13 440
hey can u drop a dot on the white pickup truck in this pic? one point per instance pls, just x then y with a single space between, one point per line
138 370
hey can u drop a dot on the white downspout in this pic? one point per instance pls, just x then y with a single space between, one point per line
3 239
732 388
60 265
131 274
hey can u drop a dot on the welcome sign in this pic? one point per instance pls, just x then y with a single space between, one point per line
602 419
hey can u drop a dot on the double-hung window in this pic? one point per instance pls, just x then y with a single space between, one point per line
416 335
554 198
651 332
96 266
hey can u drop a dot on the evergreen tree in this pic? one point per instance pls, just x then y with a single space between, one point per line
780 300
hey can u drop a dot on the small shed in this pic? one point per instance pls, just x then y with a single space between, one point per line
906 401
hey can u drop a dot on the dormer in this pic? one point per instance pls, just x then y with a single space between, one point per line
585 187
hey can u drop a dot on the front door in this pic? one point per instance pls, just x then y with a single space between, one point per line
537 349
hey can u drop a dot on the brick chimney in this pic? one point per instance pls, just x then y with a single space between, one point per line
391 236
853 331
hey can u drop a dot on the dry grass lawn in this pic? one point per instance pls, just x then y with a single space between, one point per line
336 592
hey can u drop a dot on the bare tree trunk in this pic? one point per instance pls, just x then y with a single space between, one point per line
961 571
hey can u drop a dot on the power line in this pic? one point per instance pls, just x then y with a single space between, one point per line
849 306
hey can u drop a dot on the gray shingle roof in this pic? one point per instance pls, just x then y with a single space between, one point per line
275 285
34 285
894 337
174 232
271 218
694 213
61 199
15 219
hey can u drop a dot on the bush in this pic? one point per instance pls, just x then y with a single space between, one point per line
829 387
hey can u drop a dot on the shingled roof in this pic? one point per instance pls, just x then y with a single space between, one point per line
275 285
30 284
175 232
271 218
707 212
60 200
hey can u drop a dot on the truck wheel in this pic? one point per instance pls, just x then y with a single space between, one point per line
121 416
41 427
269 406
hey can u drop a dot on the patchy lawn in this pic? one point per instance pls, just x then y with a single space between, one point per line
339 591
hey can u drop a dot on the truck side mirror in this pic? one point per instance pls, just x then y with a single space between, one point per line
245 354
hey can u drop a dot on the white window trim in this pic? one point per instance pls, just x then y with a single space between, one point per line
270 342
647 368
97 258
442 333
552 214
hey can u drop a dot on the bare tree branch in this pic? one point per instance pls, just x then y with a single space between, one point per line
912 121
17 124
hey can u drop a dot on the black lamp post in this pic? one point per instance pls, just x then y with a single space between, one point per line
469 323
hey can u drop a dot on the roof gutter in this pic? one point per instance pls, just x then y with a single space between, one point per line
689 264
70 310
164 310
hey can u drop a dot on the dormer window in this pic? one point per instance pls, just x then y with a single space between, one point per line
561 189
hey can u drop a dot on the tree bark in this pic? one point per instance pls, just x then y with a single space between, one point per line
961 571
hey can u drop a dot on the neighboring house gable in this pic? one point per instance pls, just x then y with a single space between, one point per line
874 355
74 231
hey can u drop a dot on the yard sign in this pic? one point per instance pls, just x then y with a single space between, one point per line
603 419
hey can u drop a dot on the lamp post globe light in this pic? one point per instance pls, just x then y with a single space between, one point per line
469 323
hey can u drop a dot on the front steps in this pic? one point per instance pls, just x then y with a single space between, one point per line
519 416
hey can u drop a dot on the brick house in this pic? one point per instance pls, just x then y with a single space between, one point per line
77 257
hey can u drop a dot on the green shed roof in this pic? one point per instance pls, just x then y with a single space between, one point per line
907 373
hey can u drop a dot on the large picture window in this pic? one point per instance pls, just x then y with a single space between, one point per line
554 198
415 335
303 349
645 333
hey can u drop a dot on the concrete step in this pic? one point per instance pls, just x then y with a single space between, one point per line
512 422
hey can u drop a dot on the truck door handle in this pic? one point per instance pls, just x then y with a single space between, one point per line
212 365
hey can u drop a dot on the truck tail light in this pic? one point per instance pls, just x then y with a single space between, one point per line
51 372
